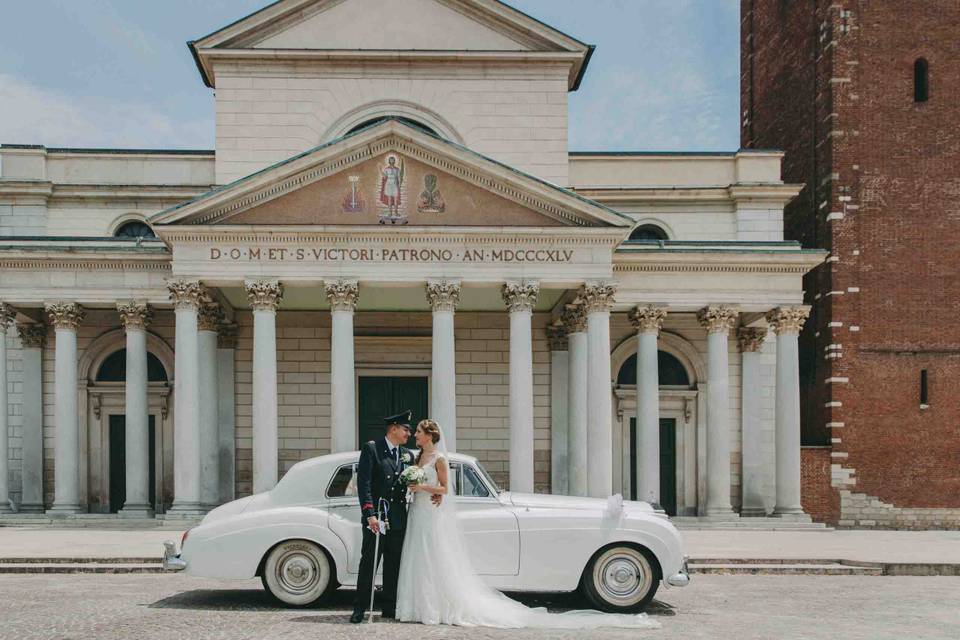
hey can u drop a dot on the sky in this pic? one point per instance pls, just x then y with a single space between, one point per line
117 73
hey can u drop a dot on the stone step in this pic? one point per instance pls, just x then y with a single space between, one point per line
774 561
105 567
59 561
826 569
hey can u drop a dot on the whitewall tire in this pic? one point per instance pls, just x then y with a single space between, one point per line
620 579
297 573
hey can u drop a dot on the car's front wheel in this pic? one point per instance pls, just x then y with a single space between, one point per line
620 579
297 573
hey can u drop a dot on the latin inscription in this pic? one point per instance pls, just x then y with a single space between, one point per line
335 254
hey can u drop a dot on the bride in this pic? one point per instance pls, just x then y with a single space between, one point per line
438 585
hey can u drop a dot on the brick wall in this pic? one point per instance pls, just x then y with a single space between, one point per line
832 84
817 495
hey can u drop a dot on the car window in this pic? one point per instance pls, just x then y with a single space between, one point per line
472 484
344 482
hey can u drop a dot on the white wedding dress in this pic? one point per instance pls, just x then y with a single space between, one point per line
438 585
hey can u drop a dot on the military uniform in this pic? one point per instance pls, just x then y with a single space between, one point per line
380 489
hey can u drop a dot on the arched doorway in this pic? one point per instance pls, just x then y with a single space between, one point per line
680 370
102 371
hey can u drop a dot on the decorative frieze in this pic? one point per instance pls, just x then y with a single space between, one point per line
788 320
227 337
210 316
750 339
264 295
186 294
648 319
597 297
32 335
7 316
520 296
574 319
65 315
443 295
342 295
135 315
557 337
717 319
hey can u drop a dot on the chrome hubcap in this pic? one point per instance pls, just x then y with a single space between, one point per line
622 576
298 572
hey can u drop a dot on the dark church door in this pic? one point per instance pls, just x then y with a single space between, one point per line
668 463
118 463
386 395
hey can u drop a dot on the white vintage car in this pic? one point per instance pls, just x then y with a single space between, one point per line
303 538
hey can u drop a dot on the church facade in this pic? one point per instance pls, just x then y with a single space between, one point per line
392 219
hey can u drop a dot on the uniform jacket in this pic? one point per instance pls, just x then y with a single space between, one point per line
378 476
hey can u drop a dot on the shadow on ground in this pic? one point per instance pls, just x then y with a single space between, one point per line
342 600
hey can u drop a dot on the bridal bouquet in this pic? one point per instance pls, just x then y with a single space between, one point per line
413 475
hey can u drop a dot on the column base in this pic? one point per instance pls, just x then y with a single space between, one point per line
30 508
135 511
65 510
186 510
721 513
5 509
753 512
792 515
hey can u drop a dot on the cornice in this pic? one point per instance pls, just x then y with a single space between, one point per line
797 262
26 188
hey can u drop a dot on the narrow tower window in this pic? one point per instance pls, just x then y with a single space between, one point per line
924 398
921 80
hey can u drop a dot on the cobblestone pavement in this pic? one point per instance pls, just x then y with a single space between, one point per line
745 607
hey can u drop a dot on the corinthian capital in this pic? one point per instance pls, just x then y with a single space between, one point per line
443 295
557 338
134 315
186 294
520 296
717 319
597 296
648 319
342 295
264 295
65 315
574 319
210 317
750 339
7 315
788 320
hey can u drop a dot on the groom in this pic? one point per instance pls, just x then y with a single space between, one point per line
381 491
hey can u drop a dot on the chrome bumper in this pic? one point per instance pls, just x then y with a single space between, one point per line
681 578
171 559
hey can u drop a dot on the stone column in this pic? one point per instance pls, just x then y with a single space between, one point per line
444 297
750 341
187 296
343 296
136 317
559 425
575 321
32 337
718 321
7 316
227 411
264 298
597 303
66 317
786 323
520 298
648 321
208 326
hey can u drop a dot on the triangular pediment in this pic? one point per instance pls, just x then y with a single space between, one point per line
414 27
390 175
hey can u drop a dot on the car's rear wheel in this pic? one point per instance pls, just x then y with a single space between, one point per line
297 573
620 579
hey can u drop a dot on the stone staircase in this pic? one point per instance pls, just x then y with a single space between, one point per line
81 565
706 523
98 521
783 566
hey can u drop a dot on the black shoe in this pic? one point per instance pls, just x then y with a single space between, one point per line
392 615
357 616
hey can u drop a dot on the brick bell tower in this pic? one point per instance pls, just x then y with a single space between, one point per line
864 98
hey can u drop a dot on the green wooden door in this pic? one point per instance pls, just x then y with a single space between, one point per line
668 463
118 462
386 395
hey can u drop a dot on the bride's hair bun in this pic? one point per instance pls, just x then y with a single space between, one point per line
430 428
